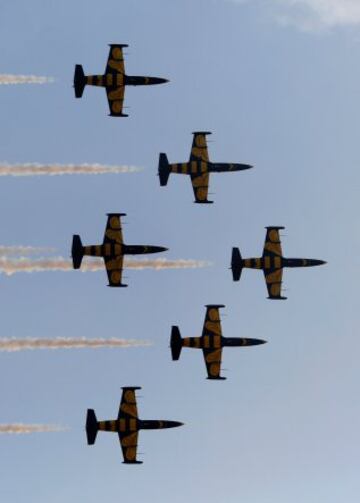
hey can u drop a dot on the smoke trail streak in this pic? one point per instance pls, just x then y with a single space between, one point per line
19 428
15 344
7 79
11 266
36 169
6 251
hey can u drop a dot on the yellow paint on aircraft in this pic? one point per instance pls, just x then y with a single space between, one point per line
213 314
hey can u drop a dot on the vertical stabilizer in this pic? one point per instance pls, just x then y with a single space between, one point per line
176 343
77 251
164 169
91 427
236 264
79 81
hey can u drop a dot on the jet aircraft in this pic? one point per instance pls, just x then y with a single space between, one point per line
112 250
272 263
127 425
211 342
198 168
114 80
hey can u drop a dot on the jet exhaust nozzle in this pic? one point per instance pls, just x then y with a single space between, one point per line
164 169
79 81
91 426
236 264
176 342
77 251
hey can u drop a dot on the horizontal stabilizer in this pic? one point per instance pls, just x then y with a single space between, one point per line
236 264
164 169
79 81
77 251
175 343
91 427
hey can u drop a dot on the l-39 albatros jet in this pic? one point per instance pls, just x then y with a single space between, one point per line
114 80
198 168
272 263
112 250
211 342
127 425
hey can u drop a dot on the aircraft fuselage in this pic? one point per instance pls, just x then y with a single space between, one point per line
275 262
218 341
114 80
126 425
115 250
200 167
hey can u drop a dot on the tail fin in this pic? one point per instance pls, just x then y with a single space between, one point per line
164 169
175 343
79 81
91 426
77 251
236 264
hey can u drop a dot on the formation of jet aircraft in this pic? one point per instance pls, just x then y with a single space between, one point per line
114 80
198 168
272 263
211 342
127 425
112 250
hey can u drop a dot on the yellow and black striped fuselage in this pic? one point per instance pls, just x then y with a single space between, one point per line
129 425
107 80
218 341
270 262
109 250
119 79
201 167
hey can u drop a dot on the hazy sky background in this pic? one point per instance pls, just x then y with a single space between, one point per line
278 84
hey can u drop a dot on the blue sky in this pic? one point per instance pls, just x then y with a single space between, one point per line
283 427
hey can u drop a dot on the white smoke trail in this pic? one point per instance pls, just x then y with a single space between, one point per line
11 266
6 251
36 169
19 428
7 79
17 344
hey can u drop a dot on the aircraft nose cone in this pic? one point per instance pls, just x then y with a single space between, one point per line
317 262
162 249
177 423
257 342
158 80
247 166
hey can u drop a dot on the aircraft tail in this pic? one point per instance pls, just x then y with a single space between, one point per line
164 169
176 343
77 251
91 426
236 264
79 81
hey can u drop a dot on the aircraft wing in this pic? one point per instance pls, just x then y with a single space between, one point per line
128 413
273 278
113 239
114 269
273 270
199 151
115 97
128 407
115 62
113 231
200 185
129 444
211 337
272 246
